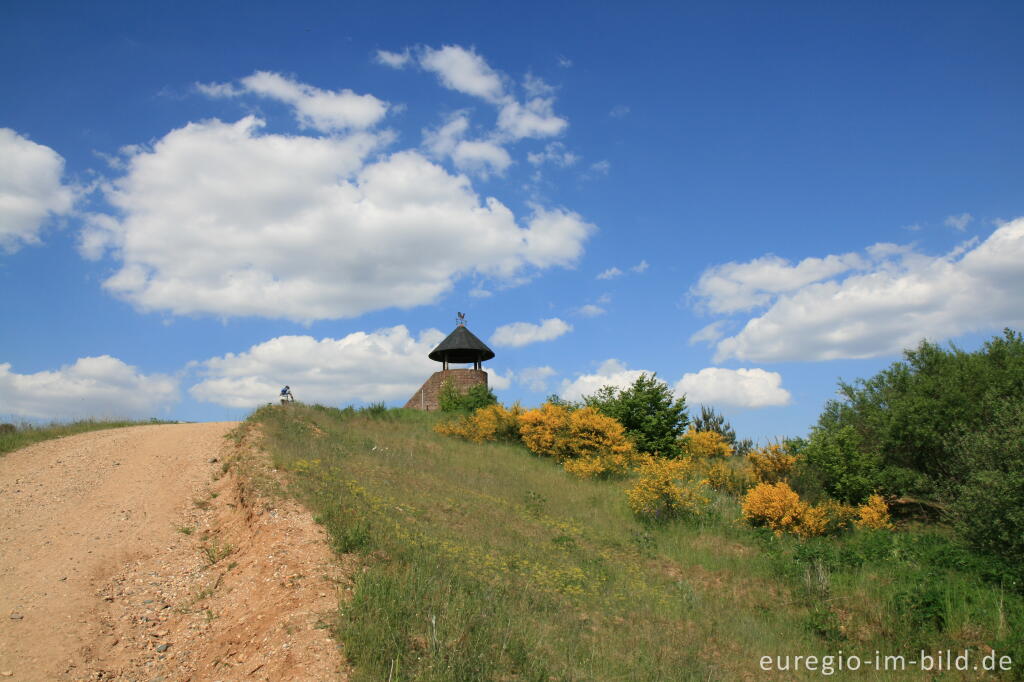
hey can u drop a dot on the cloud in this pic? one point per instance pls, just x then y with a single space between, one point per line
739 387
591 310
467 72
536 87
597 168
734 287
611 373
535 118
384 365
220 218
464 71
30 190
564 62
498 382
641 267
610 273
535 378
709 334
396 60
323 110
619 111
959 222
899 297
519 334
480 157
100 386
554 153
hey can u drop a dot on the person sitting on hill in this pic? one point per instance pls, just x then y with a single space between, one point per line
286 395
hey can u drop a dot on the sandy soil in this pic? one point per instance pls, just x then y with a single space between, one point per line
128 554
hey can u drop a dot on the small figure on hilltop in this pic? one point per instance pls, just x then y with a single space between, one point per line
286 396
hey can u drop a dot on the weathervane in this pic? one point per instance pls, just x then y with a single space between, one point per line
460 320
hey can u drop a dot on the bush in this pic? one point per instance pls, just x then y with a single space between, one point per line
771 464
545 431
873 515
451 400
779 507
491 423
851 471
705 444
775 506
908 418
667 490
728 478
652 417
988 507
588 443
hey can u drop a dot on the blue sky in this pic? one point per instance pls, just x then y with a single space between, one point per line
201 202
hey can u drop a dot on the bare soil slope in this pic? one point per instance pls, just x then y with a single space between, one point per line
126 554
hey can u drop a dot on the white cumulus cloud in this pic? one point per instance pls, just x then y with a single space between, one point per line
396 60
610 273
480 157
591 310
324 110
738 387
220 218
900 297
384 365
101 387
535 378
31 190
736 287
464 71
519 334
611 372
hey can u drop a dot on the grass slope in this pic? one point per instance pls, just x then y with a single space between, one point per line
16 437
483 562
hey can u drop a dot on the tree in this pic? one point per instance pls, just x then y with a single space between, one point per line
653 418
709 420
907 418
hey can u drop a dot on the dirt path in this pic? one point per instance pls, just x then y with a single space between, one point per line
127 554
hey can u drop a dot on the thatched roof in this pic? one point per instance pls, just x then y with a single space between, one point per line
461 346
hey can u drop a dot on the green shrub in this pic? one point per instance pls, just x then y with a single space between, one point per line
451 400
653 418
850 471
988 507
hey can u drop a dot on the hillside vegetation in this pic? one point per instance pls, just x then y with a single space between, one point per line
486 561
14 437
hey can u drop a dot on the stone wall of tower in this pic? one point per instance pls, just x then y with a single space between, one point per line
426 398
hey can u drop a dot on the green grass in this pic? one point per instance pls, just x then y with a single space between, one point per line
16 437
483 562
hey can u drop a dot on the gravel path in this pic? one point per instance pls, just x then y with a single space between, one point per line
72 512
127 554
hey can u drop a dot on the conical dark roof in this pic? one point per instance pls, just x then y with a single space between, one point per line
461 346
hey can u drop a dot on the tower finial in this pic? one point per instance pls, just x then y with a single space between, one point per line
460 321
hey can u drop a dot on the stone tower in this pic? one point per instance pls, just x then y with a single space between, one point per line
461 347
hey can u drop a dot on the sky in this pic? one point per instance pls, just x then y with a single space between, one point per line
202 202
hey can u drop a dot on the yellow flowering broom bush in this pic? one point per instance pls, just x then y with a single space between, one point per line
586 442
705 444
491 423
666 488
545 431
874 514
771 464
727 478
779 507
